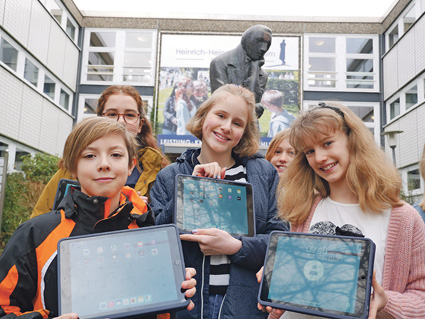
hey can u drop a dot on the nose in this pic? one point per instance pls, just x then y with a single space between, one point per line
284 158
226 126
320 156
104 164
121 118
263 47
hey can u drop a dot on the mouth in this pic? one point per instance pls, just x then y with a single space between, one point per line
221 137
328 167
104 179
280 168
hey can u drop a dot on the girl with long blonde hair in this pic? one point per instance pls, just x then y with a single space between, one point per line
341 182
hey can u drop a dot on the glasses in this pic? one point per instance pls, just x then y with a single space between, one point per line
129 116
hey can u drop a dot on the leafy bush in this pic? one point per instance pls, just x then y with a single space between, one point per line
23 190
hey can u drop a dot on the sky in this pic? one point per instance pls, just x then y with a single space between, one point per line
290 10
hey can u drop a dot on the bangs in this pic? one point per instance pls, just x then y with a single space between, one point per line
311 130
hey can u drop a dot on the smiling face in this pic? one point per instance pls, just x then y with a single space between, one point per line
122 103
329 157
282 156
224 125
103 167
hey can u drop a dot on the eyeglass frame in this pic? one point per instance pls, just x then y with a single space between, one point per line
123 116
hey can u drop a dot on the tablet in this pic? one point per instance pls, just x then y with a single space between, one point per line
63 188
121 274
214 203
328 276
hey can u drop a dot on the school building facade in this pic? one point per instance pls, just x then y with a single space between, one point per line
55 62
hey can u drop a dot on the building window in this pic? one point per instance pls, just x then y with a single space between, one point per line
8 54
49 87
412 97
409 18
394 109
70 28
90 106
342 62
413 180
131 62
31 72
64 100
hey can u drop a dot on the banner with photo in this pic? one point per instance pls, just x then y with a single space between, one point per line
187 58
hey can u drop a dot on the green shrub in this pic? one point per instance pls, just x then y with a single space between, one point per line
23 190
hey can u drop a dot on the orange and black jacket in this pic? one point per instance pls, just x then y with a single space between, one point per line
28 265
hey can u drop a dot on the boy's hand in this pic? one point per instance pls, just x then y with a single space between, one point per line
214 241
189 284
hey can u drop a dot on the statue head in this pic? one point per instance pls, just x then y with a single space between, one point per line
256 41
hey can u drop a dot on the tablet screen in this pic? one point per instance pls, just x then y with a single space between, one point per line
318 274
213 203
121 273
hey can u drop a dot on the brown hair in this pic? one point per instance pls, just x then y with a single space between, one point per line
275 142
370 175
249 141
90 130
145 137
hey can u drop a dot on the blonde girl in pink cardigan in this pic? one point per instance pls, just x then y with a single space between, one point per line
348 183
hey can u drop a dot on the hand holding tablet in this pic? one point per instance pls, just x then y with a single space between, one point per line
328 276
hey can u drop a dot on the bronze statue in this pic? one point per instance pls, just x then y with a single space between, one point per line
242 65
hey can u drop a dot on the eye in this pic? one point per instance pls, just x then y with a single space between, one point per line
308 152
117 155
278 152
89 156
328 143
130 115
111 114
291 153
238 124
220 115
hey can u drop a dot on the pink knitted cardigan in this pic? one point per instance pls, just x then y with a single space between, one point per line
404 267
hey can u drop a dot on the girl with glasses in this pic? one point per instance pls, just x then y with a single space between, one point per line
124 104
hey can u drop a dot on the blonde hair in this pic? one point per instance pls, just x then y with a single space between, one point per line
275 142
370 175
422 170
90 130
248 144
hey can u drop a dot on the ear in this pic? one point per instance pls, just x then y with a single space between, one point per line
133 164
142 121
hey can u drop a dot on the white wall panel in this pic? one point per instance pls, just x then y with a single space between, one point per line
10 103
30 121
2 5
419 43
390 72
406 58
66 125
38 41
17 15
56 54
49 127
70 65
408 145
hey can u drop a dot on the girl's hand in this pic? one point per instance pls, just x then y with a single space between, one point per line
274 313
378 299
214 241
212 170
189 285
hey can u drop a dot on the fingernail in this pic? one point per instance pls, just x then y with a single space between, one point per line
194 231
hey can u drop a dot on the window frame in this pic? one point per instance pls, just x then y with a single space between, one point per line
341 56
119 50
